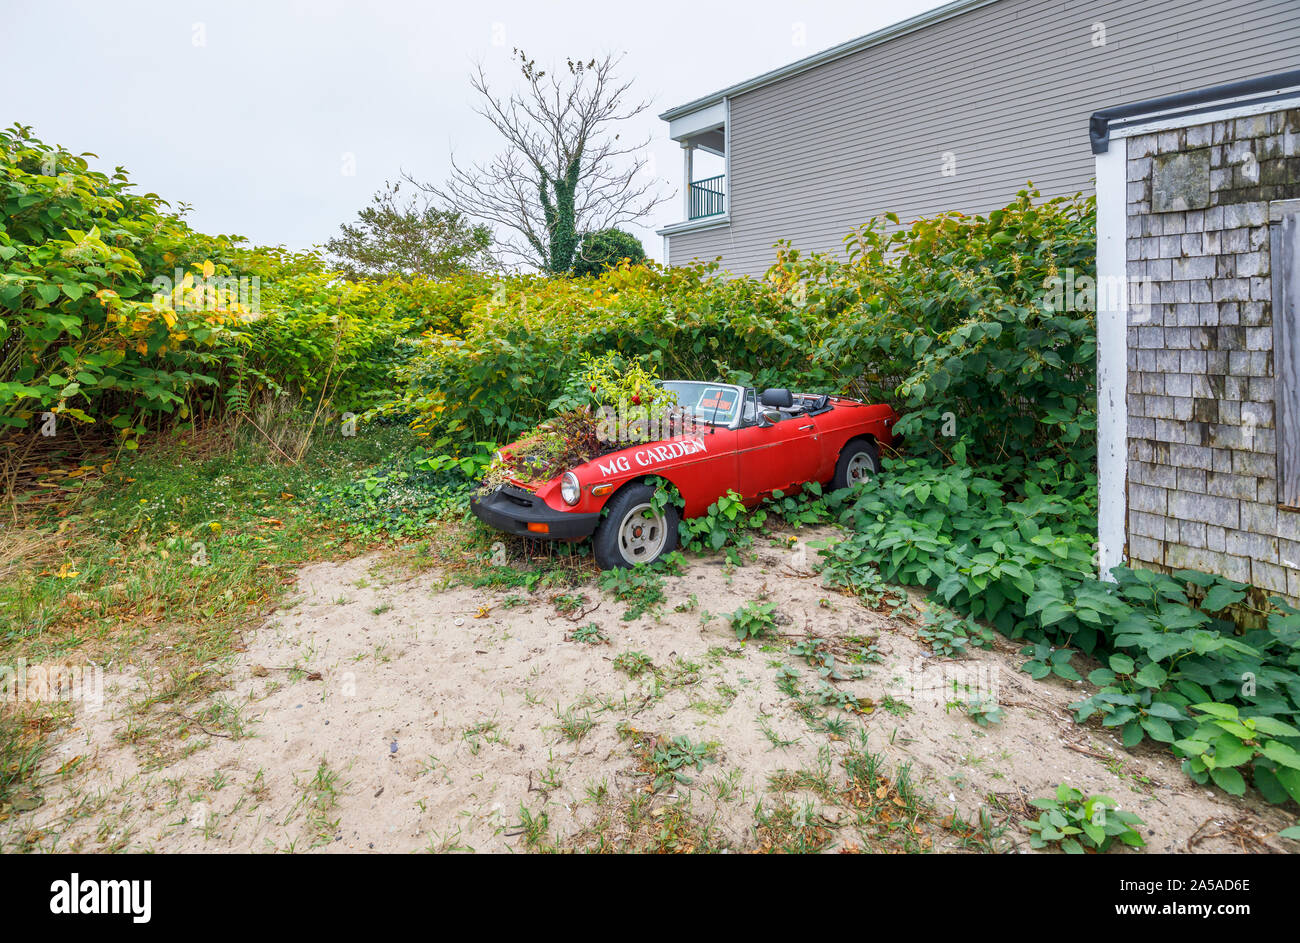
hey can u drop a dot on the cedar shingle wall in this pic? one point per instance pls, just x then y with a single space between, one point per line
1202 442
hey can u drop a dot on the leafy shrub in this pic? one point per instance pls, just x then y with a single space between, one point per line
515 354
753 619
950 314
983 711
589 634
725 523
816 653
1166 657
633 664
82 334
1075 822
966 534
113 310
1224 740
671 758
326 337
606 248
798 510
957 315
949 634
976 335
641 587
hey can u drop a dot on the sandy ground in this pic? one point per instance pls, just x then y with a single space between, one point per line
386 712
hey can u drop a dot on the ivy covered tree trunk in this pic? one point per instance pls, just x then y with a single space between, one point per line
559 206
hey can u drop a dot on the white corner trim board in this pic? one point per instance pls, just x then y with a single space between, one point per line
1112 358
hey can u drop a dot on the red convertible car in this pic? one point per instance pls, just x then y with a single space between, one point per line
740 441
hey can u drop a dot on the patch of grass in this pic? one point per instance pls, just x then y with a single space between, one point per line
319 799
535 829
895 706
816 780
791 829
726 695
891 814
485 731
175 550
574 728
778 742
636 823
399 498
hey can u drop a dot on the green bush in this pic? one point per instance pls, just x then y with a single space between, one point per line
957 317
401 497
980 544
606 248
85 330
1075 822
113 310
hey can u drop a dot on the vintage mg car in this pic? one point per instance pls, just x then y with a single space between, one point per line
739 440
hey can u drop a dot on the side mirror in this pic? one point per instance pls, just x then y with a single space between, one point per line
771 417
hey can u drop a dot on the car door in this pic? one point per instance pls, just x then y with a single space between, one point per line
776 456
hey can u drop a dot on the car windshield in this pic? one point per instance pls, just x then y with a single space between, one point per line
714 403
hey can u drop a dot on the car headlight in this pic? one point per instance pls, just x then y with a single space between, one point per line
570 490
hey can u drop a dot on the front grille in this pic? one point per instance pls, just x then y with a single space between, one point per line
517 496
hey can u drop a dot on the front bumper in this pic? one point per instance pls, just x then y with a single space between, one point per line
512 509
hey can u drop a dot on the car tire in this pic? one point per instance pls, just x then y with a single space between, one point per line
619 543
859 460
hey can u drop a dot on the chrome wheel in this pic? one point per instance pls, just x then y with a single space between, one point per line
860 468
642 535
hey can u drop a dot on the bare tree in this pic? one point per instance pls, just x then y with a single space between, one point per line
565 172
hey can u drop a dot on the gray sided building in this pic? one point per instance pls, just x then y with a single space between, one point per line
952 110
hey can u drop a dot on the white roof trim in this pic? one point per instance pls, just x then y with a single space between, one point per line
713 116
937 15
694 225
1241 107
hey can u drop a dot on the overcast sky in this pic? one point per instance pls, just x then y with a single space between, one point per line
255 112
